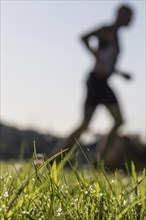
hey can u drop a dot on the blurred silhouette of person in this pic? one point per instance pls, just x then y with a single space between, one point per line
98 89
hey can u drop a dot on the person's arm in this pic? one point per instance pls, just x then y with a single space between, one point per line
99 34
85 40
123 74
103 35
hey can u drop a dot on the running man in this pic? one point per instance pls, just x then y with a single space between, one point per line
98 89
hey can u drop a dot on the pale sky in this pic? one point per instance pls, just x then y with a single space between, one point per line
44 65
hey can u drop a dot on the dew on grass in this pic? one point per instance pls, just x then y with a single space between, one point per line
132 197
125 202
113 181
25 212
86 192
3 206
26 195
6 194
59 212
100 194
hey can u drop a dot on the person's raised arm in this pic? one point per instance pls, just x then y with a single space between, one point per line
85 38
101 34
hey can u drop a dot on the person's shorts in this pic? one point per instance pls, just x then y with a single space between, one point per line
98 92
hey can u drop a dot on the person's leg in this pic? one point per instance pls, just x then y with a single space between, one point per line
115 111
88 112
89 108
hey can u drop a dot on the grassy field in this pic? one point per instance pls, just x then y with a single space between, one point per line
30 190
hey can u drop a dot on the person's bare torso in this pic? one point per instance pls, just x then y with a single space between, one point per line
107 53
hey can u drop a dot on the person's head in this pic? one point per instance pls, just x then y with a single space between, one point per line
124 15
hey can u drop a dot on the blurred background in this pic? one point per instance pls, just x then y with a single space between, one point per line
44 65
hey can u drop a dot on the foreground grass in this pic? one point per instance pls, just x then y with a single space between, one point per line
33 191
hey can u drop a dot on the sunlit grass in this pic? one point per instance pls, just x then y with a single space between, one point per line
29 190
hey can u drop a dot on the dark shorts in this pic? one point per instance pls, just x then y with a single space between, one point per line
98 92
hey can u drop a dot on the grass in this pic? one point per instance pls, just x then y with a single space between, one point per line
29 190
